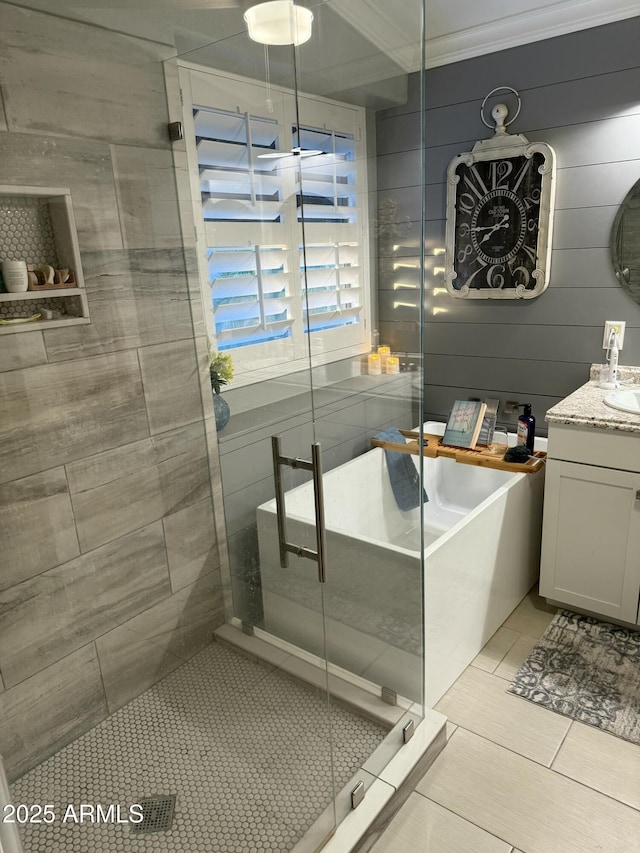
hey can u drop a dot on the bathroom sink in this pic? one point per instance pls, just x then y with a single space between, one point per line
625 400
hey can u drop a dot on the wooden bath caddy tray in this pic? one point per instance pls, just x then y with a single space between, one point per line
434 447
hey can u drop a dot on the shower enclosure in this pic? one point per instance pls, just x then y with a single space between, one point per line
255 200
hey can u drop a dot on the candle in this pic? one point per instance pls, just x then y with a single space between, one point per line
393 365
373 364
384 353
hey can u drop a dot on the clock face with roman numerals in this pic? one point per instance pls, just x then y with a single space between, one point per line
498 224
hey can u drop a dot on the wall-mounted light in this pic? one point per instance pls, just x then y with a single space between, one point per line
438 270
279 22
439 251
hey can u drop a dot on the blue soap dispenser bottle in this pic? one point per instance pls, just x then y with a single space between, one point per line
527 428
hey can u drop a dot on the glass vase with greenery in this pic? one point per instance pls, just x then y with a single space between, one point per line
221 372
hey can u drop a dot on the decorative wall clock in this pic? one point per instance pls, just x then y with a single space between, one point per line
500 198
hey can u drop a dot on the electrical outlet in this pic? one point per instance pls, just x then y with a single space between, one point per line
609 326
511 407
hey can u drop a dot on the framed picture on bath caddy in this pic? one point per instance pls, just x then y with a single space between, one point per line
500 201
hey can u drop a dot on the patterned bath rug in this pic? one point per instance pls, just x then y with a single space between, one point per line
587 670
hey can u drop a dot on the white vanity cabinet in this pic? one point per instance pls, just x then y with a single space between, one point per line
591 525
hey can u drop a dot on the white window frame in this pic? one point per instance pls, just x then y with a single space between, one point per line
231 92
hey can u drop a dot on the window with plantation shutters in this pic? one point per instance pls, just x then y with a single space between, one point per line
281 222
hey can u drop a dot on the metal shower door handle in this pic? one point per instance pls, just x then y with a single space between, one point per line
315 466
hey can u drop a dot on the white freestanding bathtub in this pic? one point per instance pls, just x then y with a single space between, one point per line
481 542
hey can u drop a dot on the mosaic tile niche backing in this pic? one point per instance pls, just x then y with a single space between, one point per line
26 307
26 232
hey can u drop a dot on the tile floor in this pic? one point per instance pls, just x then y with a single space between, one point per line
515 777
236 741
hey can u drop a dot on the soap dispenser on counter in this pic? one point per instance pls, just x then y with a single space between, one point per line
526 427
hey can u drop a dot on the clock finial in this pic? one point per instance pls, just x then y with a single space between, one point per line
500 112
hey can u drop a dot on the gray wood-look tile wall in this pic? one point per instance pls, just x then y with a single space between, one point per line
110 571
580 94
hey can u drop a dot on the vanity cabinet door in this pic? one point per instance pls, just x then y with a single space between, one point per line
591 539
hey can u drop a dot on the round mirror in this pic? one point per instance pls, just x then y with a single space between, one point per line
625 243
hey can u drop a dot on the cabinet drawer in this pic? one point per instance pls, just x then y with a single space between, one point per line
602 447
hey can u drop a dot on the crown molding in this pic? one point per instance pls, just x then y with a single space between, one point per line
393 30
526 27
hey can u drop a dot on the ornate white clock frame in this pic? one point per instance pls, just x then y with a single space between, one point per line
503 145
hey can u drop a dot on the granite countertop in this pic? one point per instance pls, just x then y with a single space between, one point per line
585 407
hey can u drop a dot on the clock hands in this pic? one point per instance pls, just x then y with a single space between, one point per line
500 224
504 223
486 236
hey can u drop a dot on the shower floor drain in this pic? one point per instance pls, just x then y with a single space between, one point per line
157 814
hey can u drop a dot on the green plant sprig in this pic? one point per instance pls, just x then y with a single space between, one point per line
220 370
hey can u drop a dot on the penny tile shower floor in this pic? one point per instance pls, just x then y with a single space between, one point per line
234 740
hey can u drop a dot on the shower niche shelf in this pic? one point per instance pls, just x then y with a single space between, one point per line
37 225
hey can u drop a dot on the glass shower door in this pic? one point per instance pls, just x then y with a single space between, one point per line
361 268
360 198
311 264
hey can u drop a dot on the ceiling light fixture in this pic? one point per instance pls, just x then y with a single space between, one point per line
279 22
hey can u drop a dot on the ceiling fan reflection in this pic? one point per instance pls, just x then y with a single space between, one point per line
295 152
